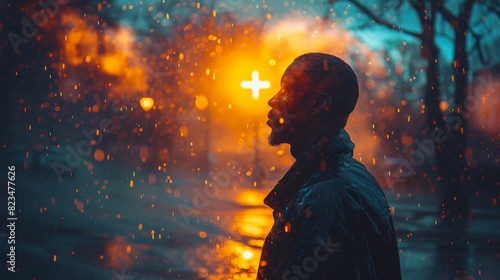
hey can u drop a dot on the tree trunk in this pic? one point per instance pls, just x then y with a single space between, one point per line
430 53
450 155
452 158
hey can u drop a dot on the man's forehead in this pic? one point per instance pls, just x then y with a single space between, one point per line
294 73
296 68
296 76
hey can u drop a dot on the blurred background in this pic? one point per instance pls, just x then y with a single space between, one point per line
137 130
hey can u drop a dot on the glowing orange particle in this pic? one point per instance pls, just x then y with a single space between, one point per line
288 227
99 155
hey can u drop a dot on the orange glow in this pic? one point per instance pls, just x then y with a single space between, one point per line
288 227
242 261
236 258
247 254
146 103
443 106
164 154
254 223
278 46
80 43
250 198
246 71
79 205
484 102
106 52
183 131
114 64
407 140
99 154
152 178
144 153
116 252
201 102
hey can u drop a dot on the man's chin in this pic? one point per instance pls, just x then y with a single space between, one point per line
276 138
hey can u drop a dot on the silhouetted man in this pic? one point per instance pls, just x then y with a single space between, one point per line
332 220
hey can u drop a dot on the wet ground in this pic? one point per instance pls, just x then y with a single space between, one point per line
119 224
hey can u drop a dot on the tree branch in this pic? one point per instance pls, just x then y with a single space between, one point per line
361 26
448 16
477 46
381 21
467 10
492 8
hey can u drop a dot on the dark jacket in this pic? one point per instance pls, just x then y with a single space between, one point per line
331 220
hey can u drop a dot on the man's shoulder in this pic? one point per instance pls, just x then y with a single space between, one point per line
325 191
342 179
345 186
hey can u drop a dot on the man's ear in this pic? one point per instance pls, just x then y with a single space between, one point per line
322 103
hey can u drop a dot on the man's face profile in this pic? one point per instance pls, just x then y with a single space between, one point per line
286 114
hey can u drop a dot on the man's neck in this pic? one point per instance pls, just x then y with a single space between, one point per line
299 148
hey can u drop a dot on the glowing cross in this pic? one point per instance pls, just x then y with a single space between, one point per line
255 84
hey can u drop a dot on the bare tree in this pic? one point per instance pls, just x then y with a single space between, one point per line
452 166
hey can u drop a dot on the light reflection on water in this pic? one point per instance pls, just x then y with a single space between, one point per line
229 260
237 255
231 251
117 253
120 253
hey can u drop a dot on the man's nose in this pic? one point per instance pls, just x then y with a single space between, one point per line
273 102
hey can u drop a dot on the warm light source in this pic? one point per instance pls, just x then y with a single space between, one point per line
147 103
255 84
247 254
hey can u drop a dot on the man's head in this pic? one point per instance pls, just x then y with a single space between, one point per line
318 92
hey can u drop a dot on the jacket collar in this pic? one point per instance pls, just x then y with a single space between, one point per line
326 151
